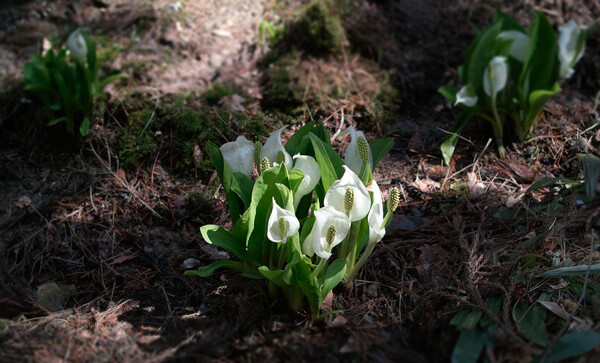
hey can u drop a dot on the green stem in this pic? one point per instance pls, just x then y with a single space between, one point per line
343 250
281 256
359 264
353 244
362 170
320 266
497 127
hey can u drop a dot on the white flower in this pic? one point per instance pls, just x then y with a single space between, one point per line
570 48
282 224
466 96
239 155
312 174
77 46
519 46
376 215
352 157
497 73
349 187
330 228
273 150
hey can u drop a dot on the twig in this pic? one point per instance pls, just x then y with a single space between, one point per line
569 320
124 183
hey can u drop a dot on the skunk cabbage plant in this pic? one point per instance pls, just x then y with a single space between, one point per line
304 224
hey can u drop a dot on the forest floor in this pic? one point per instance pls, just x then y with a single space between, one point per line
96 232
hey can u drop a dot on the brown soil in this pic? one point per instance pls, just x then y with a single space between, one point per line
92 256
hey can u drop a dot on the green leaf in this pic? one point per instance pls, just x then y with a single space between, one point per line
466 319
84 128
333 276
449 92
328 171
540 69
508 22
110 79
379 148
574 270
591 172
530 322
242 186
234 202
449 145
221 237
537 101
551 181
480 58
275 276
205 271
469 346
291 146
56 120
574 344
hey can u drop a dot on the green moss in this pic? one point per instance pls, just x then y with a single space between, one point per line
107 50
280 90
136 142
215 93
317 29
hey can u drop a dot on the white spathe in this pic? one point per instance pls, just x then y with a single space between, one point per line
466 96
336 194
316 241
352 156
273 146
291 224
495 76
239 155
77 46
376 215
312 174
569 51
519 46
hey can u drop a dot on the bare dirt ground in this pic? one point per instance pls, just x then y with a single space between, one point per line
92 252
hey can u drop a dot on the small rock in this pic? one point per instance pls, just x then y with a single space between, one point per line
190 263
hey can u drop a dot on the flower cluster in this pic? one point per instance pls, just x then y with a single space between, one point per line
300 211
511 73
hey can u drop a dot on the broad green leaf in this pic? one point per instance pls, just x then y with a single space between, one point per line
591 172
508 22
480 58
234 202
291 146
551 181
275 276
540 70
328 172
466 319
205 271
221 237
242 186
530 322
379 148
449 92
469 346
494 304
580 270
296 177
333 276
263 192
449 145
84 128
537 101
574 344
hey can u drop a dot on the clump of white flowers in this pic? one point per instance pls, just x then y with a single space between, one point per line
308 220
511 73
